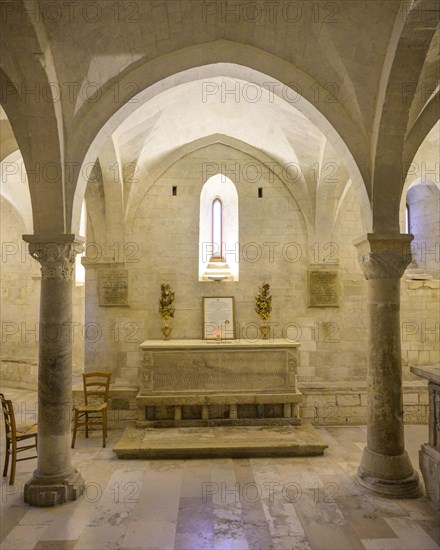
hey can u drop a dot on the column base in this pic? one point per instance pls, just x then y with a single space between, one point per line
388 476
43 490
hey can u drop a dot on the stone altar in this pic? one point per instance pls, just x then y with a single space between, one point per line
429 454
202 383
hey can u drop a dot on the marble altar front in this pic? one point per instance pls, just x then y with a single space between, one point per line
198 382
429 454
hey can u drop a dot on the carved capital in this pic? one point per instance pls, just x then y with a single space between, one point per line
384 256
56 253
57 260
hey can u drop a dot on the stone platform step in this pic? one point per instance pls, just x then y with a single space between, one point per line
219 442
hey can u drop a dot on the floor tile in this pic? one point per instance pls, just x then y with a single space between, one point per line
284 503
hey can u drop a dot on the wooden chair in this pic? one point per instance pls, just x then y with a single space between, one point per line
14 435
94 410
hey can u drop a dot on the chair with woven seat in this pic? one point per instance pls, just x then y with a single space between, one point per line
94 410
15 434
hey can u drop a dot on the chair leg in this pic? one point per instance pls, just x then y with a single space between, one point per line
104 426
13 463
75 426
7 453
87 425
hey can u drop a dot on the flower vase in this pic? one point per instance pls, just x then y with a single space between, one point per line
264 329
166 330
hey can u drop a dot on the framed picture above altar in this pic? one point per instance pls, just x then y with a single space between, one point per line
218 318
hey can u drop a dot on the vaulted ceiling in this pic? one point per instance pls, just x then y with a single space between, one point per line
347 80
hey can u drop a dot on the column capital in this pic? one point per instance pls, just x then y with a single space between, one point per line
55 253
384 255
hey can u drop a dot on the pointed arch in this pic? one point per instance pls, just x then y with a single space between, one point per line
222 58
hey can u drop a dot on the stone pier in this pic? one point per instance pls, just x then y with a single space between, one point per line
385 468
55 480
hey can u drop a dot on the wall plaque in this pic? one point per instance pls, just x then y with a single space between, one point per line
218 318
323 288
113 287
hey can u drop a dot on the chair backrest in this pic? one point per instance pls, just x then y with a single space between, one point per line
96 384
8 415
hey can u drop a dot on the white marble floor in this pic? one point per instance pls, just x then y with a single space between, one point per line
258 504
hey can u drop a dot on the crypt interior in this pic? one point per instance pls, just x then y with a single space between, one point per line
161 161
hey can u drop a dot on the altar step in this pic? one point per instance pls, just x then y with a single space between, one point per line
220 442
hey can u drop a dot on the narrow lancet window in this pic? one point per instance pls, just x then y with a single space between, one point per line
217 228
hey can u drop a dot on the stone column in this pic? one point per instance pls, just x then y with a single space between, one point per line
385 467
55 480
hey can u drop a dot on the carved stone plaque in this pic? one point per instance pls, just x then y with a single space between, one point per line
218 370
113 287
323 288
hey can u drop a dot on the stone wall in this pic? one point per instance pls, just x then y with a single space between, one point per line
324 404
165 235
162 240
161 245
20 293
420 324
19 373
336 404
19 314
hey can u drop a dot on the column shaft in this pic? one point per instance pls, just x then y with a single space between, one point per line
385 467
385 405
55 480
55 377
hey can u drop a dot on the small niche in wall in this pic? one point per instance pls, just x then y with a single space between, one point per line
260 192
174 190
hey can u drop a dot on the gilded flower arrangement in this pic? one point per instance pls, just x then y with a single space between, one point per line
263 306
166 308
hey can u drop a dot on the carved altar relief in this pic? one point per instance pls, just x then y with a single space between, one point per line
147 372
218 370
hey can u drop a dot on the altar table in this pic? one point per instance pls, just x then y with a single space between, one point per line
228 382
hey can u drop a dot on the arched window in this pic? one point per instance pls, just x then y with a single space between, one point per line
422 221
218 230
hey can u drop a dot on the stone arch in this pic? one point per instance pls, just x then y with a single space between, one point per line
29 100
15 187
424 167
298 194
35 128
424 124
424 113
404 64
423 199
96 125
